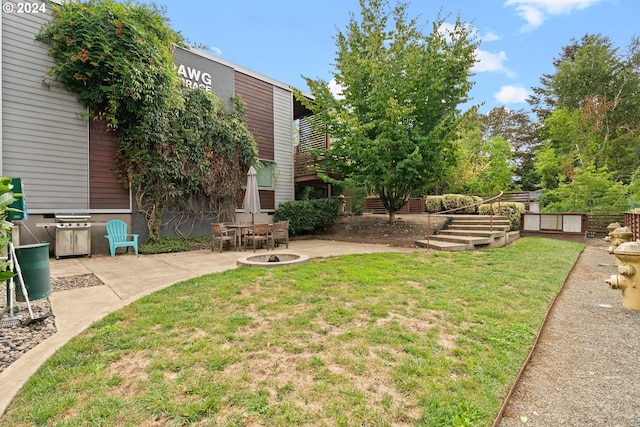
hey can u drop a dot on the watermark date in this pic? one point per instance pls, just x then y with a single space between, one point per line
26 7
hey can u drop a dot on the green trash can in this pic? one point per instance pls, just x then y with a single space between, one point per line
34 264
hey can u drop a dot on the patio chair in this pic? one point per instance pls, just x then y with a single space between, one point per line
279 233
119 238
258 233
221 234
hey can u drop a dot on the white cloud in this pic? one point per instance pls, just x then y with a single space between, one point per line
490 61
335 89
510 94
535 12
491 37
534 17
211 49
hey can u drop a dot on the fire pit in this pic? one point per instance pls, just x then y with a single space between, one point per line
272 260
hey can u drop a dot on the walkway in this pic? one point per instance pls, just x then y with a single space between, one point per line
584 370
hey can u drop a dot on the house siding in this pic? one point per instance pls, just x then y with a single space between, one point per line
106 191
258 97
44 141
267 200
65 160
283 145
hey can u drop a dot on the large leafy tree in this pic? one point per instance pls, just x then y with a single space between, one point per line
484 165
590 114
590 107
521 132
394 123
592 190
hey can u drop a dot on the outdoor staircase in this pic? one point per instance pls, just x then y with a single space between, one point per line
469 232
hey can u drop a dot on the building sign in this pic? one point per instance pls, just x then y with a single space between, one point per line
194 78
197 71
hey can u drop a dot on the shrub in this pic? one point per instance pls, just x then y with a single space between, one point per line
450 201
433 204
447 202
174 244
7 197
307 216
472 203
511 210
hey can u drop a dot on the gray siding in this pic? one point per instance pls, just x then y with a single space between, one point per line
44 141
283 144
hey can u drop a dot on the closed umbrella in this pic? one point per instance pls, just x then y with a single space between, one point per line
251 196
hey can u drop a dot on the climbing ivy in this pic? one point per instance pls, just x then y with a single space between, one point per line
116 57
180 149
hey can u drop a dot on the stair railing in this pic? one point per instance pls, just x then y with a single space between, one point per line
482 202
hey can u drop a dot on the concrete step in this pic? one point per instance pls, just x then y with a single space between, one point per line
475 223
478 216
479 227
467 232
472 233
471 241
480 221
441 245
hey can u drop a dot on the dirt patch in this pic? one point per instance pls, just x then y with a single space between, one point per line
131 370
377 229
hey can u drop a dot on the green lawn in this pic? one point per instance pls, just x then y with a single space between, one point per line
382 340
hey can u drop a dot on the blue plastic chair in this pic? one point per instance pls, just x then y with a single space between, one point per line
119 238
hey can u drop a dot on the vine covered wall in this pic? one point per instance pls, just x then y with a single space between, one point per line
180 150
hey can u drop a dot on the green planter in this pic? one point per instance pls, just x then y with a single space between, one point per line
34 264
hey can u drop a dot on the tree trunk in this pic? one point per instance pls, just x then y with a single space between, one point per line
392 217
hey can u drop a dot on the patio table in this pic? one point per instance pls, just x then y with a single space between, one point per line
241 231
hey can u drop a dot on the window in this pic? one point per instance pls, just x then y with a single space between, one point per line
265 173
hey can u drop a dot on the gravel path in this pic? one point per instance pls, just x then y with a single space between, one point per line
584 370
17 340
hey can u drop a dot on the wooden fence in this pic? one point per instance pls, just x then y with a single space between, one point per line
524 197
374 205
597 222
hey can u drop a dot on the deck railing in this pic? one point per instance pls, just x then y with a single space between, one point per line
632 220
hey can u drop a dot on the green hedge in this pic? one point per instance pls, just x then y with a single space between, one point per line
511 210
433 204
307 216
446 202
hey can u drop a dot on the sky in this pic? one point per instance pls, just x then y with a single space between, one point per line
288 39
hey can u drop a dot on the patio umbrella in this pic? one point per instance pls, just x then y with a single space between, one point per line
251 196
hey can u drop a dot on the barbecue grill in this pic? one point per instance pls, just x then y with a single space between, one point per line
73 235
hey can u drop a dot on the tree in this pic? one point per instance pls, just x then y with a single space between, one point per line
548 166
591 191
483 166
590 105
517 128
394 123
